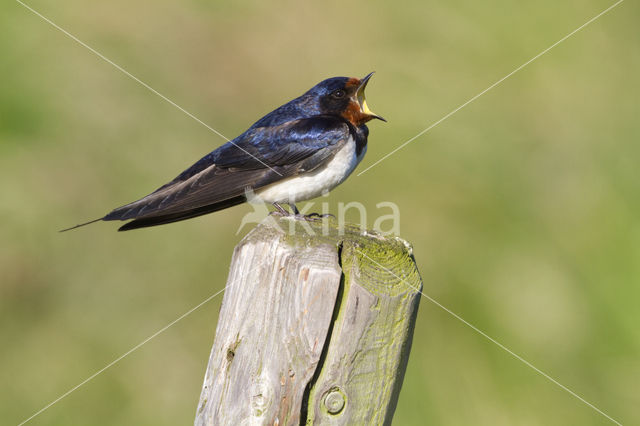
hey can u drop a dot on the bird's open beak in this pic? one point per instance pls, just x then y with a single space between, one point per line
361 99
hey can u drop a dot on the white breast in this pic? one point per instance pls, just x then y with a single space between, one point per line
315 183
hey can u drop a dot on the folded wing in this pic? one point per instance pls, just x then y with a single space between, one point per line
257 158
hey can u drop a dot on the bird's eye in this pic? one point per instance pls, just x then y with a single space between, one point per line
338 94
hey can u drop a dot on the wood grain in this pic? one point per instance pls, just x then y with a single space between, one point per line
315 327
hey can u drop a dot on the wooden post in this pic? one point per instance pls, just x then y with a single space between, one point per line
315 328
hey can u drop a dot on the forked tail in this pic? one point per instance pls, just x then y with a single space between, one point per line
81 225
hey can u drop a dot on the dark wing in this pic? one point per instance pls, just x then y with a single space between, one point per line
258 157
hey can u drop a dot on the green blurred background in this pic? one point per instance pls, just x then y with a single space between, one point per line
522 208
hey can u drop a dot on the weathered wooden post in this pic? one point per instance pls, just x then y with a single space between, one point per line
313 329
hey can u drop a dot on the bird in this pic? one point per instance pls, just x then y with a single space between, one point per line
297 152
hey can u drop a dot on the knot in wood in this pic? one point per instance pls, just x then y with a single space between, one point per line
334 401
261 396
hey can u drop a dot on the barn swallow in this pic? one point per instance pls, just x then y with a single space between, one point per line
297 152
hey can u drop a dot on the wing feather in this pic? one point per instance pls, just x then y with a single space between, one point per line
256 158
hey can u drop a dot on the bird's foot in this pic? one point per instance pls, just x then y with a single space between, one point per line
320 216
313 217
306 217
295 213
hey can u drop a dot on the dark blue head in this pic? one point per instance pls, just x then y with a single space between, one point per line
326 87
342 96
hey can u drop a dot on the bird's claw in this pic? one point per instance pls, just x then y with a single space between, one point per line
311 217
307 217
321 216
